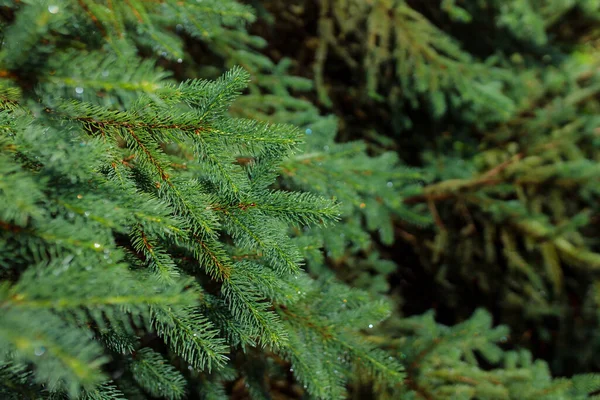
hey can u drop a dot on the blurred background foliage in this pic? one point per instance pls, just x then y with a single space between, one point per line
493 108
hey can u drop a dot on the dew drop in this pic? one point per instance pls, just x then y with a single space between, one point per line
195 334
105 73
78 90
179 60
370 326
291 369
39 351
53 9
308 131
326 148
97 245
190 368
390 184
299 292
68 259
87 213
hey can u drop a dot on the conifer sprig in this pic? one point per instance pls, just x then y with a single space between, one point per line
126 176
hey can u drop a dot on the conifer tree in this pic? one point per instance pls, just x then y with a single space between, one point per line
165 236
141 257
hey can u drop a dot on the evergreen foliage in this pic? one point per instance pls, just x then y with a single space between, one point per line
497 102
528 209
140 256
410 59
466 361
163 235
516 201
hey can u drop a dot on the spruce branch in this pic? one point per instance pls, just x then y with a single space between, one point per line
151 371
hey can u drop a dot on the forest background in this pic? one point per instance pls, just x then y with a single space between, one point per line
432 166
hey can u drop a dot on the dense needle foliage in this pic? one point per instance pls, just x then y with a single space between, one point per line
140 255
179 221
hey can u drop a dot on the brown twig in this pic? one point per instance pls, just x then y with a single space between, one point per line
487 179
